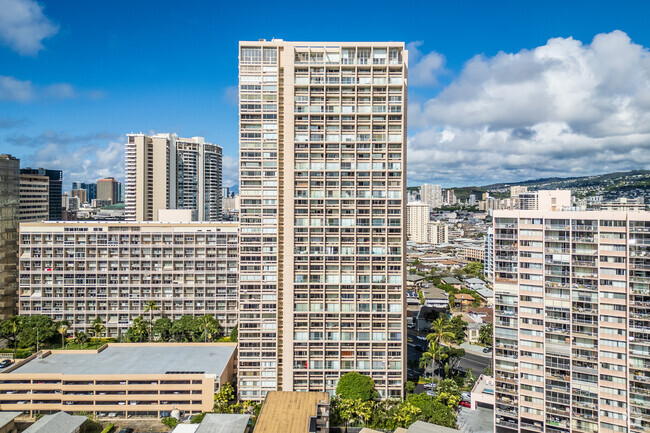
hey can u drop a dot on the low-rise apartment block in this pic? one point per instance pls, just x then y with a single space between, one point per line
120 380
81 270
572 321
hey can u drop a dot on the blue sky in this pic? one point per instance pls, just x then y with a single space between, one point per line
491 99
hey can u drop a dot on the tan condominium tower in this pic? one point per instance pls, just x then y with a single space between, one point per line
322 186
165 171
572 321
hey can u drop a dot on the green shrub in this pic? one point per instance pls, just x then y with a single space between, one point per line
169 421
196 419
23 353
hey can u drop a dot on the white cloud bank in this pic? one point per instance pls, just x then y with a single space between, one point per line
99 156
23 26
561 109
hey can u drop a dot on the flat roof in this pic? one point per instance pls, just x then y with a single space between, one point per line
288 412
7 417
223 423
60 422
125 359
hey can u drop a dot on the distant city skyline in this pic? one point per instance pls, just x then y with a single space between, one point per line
497 92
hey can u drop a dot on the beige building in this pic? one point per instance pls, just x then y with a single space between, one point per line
516 190
34 197
438 233
82 195
9 220
120 380
572 321
81 270
431 195
417 222
294 412
107 189
322 186
165 171
545 200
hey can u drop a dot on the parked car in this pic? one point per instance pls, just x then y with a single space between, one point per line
5 363
487 349
419 337
466 404
430 385
465 396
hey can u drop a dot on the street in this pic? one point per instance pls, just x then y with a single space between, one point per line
476 362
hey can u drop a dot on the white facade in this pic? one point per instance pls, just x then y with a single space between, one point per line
432 195
165 171
417 222
77 271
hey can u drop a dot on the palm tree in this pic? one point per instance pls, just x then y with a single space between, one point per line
97 328
210 327
62 328
433 354
80 338
151 306
441 332
14 327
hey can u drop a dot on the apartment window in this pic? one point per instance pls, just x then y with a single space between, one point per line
270 55
251 55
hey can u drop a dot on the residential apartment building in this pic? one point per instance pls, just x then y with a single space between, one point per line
449 197
545 200
9 220
34 197
432 195
516 190
55 189
77 271
572 321
417 221
322 186
488 248
437 233
165 171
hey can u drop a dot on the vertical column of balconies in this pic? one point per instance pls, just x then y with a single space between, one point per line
639 325
557 324
506 321
584 337
259 192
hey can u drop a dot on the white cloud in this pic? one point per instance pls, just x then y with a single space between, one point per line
424 69
97 158
230 171
23 26
560 109
15 90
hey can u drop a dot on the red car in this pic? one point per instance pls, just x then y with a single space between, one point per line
465 403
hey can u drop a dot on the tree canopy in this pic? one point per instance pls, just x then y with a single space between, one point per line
355 386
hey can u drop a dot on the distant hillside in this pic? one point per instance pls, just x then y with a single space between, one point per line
601 180
609 184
